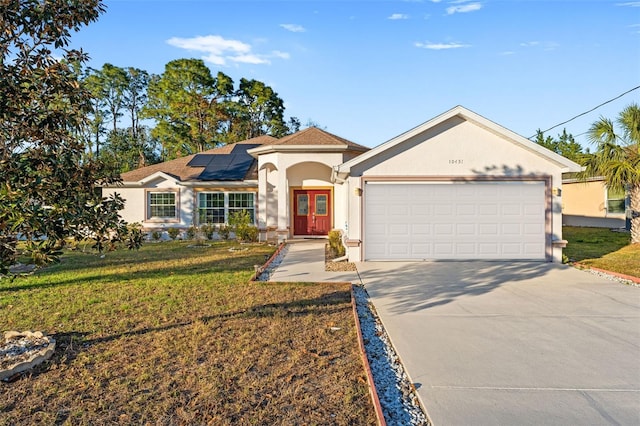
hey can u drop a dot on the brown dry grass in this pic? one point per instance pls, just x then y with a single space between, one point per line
172 335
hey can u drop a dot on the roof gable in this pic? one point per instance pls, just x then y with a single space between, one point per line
310 139
459 114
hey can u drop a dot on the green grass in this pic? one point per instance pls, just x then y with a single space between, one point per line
177 335
602 248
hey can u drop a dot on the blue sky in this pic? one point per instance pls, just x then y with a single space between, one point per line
368 70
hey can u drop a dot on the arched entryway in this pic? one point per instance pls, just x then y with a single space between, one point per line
311 199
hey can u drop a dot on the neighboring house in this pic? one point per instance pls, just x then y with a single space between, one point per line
456 187
591 203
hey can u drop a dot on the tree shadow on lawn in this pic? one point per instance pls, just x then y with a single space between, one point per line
161 271
416 286
70 344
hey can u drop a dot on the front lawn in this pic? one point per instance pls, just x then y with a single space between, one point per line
177 335
602 248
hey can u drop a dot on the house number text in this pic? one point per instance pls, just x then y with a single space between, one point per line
456 161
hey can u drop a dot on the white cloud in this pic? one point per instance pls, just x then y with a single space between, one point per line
629 4
294 28
440 46
464 8
398 16
530 43
219 51
281 55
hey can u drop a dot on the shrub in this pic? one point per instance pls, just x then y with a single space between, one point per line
224 231
173 233
242 226
192 231
135 236
335 243
156 235
207 230
249 234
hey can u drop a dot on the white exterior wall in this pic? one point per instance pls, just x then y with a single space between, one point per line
134 206
455 148
135 209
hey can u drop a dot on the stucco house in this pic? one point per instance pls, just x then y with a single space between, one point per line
458 186
592 203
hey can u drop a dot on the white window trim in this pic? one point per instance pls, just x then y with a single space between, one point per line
226 203
155 219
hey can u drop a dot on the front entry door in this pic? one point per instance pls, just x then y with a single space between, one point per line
311 211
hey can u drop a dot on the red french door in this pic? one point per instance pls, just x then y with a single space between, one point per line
311 211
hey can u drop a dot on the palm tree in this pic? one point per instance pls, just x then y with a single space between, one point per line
617 158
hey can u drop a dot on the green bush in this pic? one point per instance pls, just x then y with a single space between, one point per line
223 232
135 236
335 243
173 233
207 230
241 224
192 231
156 235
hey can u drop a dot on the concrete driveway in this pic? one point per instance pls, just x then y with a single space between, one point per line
490 343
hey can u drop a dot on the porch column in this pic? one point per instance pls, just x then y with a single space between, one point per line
262 203
283 212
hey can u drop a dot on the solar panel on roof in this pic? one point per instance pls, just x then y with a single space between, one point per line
200 160
233 166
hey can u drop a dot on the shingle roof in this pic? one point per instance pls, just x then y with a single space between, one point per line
315 136
178 168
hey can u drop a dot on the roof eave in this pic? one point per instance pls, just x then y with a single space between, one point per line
255 152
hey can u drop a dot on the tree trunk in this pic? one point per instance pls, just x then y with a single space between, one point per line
634 193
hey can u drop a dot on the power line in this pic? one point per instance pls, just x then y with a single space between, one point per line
587 112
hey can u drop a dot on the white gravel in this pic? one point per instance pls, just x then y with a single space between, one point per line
277 260
614 278
397 394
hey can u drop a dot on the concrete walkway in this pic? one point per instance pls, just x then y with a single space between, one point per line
304 262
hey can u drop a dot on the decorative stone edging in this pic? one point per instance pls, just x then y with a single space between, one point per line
367 368
626 277
27 348
260 270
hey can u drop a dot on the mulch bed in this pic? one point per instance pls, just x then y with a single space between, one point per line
336 266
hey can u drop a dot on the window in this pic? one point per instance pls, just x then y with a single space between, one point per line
162 205
615 200
211 207
321 204
215 207
303 204
239 201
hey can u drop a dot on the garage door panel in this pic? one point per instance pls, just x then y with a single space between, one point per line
443 249
495 220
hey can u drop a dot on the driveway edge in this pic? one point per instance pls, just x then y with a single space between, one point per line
367 368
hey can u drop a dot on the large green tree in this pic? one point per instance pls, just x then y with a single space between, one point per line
617 158
261 111
47 185
187 102
124 153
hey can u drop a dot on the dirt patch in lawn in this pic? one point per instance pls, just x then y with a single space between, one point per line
184 347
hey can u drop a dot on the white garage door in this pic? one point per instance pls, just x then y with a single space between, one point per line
470 220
